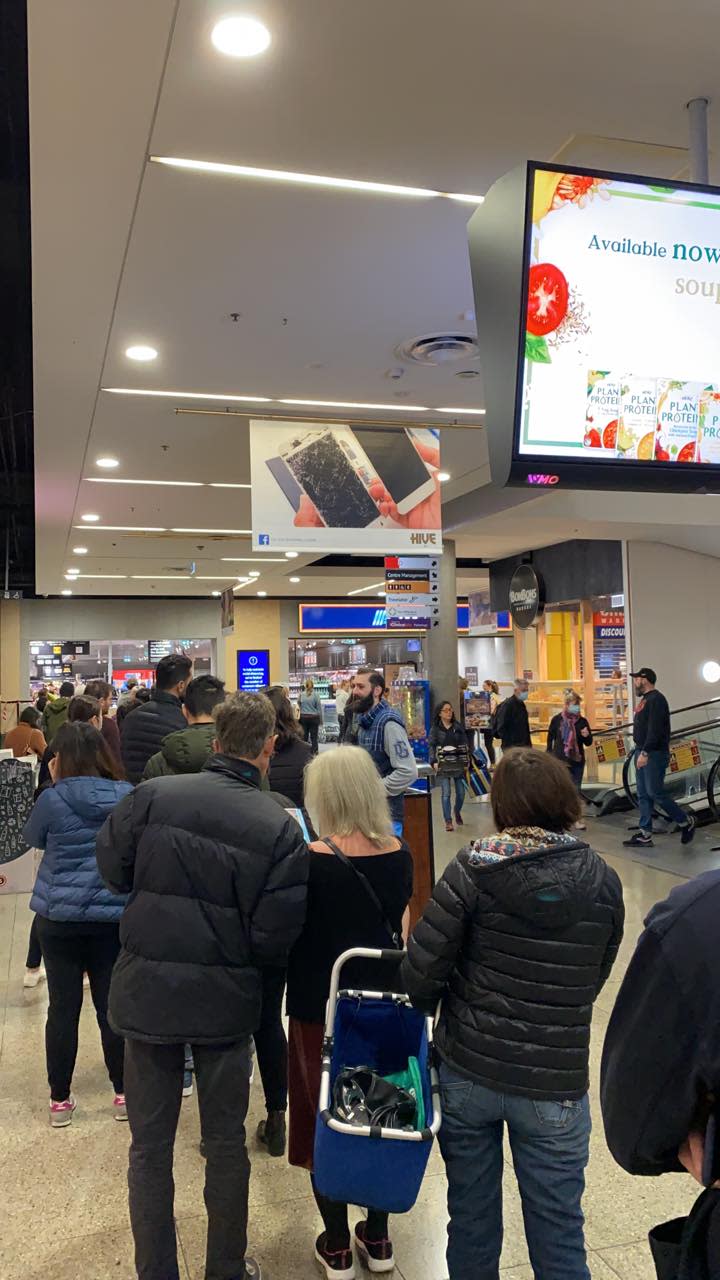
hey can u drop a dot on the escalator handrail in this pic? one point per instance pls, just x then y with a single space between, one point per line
678 711
715 811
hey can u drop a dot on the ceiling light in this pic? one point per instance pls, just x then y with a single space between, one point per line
291 555
66 593
381 594
216 577
262 593
79 551
100 575
160 577
122 528
181 395
477 411
308 179
240 37
216 593
141 352
222 485
443 476
237 532
70 573
184 484
107 462
294 579
70 577
373 587
252 559
90 518
253 573
353 404
711 672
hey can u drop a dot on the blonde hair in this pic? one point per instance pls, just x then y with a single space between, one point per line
571 695
344 794
309 684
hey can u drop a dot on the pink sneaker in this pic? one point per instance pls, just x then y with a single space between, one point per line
119 1108
61 1113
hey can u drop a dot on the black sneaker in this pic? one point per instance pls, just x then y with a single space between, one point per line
272 1133
338 1264
687 833
376 1254
641 838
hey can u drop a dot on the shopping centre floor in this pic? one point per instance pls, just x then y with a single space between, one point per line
64 1200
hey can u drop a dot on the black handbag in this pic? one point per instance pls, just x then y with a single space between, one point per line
396 942
362 1097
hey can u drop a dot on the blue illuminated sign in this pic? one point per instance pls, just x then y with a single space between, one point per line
325 618
253 669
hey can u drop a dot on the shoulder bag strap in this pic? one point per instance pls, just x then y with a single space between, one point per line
349 863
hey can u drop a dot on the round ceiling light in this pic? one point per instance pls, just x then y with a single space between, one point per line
91 518
107 463
80 551
443 476
141 352
262 593
711 672
240 37
215 593
291 555
66 593
294 579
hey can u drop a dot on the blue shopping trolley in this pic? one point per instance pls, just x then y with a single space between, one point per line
362 1164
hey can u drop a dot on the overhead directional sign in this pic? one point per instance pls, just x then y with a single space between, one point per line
412 596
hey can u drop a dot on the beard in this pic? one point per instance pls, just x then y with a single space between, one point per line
358 706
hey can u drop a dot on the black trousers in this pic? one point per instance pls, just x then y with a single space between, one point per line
271 1041
153 1091
34 955
70 950
310 726
489 740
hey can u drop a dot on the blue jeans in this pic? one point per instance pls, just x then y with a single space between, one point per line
550 1146
446 791
651 791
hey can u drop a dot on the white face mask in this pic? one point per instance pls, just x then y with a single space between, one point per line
574 709
523 695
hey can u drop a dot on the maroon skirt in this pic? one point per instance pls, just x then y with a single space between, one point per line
304 1071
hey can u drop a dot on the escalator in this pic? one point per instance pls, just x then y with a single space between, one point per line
693 776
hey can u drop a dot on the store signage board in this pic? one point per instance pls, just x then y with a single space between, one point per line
412 592
342 487
609 625
526 596
325 619
158 649
253 669
619 328
472 677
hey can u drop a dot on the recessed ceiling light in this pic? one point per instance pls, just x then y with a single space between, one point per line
216 577
253 573
294 579
481 412
309 179
252 559
70 577
222 485
66 592
182 395
373 587
240 37
291 555
100 575
90 518
356 404
183 484
443 476
237 532
72 571
107 462
381 594
141 352
262 593
159 577
216 593
121 528
79 551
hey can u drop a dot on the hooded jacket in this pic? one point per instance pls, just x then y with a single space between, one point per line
183 752
55 715
64 823
517 950
145 728
217 875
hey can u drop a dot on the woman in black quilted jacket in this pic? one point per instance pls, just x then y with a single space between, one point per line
517 941
292 753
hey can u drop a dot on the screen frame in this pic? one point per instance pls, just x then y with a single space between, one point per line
543 472
241 661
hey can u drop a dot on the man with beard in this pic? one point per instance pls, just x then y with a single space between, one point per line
372 723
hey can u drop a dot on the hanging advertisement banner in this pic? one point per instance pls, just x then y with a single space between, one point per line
412 594
340 487
227 611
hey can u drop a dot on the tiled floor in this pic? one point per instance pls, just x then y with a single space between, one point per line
64 1210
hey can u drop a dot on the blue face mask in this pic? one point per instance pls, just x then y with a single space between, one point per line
574 709
523 696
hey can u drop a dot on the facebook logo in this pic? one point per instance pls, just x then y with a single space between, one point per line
263 539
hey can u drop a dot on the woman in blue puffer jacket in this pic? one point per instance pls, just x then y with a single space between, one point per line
78 918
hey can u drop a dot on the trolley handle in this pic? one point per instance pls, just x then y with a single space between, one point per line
355 953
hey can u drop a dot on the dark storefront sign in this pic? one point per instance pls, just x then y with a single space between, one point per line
526 595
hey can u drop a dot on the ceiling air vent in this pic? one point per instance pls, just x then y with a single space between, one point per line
439 348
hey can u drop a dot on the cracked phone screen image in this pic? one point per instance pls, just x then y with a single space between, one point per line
329 481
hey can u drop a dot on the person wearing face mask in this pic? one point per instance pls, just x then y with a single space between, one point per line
651 734
568 735
513 725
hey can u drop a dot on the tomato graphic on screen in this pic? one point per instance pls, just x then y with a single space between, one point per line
687 453
547 298
592 439
609 436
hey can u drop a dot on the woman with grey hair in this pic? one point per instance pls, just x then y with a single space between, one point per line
361 878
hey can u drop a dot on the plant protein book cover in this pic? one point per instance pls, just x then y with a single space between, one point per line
677 420
638 418
602 411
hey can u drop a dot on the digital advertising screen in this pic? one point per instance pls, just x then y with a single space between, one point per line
253 669
619 366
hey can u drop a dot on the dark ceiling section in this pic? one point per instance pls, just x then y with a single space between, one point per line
17 508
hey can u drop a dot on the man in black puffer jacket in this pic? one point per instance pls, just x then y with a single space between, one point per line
518 938
144 730
217 874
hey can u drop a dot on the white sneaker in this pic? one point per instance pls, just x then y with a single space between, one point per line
34 976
